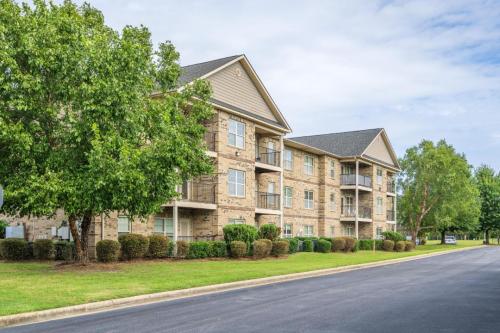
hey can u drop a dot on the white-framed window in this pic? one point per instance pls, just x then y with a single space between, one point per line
236 183
332 169
348 231
308 165
236 133
332 231
288 195
236 221
124 225
379 233
309 199
288 159
333 202
164 226
380 176
308 230
380 208
287 231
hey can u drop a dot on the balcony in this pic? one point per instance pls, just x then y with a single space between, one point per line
268 203
209 139
349 180
391 187
197 195
267 160
391 215
348 213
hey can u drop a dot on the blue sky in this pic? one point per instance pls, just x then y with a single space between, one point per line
420 69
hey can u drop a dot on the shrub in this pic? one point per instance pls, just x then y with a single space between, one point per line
262 248
170 249
158 246
350 244
423 241
280 247
198 250
240 232
269 231
182 248
3 225
308 245
133 246
400 246
410 246
388 245
14 249
43 249
238 249
338 244
393 236
367 244
324 246
293 245
218 249
107 250
65 250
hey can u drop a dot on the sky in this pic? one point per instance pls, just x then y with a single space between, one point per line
419 69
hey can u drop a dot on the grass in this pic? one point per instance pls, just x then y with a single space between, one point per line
32 286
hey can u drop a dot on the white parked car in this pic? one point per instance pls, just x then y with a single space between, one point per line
450 240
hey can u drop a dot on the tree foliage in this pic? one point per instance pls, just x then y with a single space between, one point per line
78 127
489 188
438 191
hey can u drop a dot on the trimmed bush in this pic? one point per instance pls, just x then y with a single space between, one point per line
240 232
158 246
239 249
170 249
338 244
14 249
133 246
388 245
218 249
262 248
324 246
65 250
43 249
281 247
269 231
308 245
350 244
182 248
410 246
423 241
400 246
198 250
107 250
3 225
367 244
393 236
293 245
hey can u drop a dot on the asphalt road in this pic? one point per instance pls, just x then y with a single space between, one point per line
458 292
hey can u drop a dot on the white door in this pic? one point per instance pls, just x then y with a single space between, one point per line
185 229
271 201
271 153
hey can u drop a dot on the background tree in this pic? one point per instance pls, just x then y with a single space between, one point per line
435 182
489 188
78 127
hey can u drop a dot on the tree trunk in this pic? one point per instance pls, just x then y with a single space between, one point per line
443 233
76 236
487 236
81 239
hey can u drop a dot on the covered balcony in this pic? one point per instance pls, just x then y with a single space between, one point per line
348 213
198 194
350 180
391 216
268 203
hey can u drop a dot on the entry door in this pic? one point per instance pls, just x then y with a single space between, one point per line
185 228
347 206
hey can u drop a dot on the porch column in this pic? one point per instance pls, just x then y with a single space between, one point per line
395 203
175 218
357 200
282 188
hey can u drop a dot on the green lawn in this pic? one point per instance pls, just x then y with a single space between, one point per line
36 286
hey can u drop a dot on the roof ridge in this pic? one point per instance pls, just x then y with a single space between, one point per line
363 130
218 59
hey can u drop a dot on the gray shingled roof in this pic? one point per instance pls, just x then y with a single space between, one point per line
192 72
341 144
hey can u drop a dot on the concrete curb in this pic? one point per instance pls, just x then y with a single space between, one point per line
89 308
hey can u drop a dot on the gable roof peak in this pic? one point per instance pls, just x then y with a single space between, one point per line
195 71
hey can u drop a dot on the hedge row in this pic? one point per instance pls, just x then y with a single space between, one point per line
42 249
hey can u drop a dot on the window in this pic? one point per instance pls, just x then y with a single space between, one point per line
332 231
348 231
124 226
379 205
333 204
379 233
379 176
164 226
308 165
236 221
287 230
236 133
288 197
236 183
308 199
288 159
347 169
308 231
332 169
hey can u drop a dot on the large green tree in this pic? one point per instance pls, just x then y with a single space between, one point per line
79 130
437 189
489 188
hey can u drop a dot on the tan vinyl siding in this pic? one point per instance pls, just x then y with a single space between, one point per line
233 85
378 150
